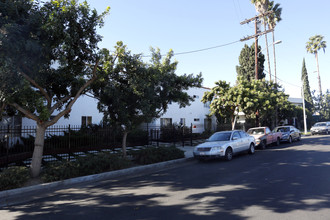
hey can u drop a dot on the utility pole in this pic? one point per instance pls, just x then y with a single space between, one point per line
256 47
255 36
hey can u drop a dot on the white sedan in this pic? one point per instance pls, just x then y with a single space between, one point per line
225 144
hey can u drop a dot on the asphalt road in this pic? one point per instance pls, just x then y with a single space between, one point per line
285 182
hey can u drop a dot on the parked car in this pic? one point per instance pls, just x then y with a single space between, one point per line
264 136
320 128
289 133
225 144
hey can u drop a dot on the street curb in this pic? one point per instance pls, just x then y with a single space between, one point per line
16 196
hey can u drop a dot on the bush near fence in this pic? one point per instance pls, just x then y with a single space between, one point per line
69 140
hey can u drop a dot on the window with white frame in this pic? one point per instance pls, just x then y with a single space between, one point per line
182 121
86 120
164 122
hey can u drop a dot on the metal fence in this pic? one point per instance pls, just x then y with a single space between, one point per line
175 135
68 142
61 142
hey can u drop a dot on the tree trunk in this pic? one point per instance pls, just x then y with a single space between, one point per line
257 119
318 74
124 143
38 150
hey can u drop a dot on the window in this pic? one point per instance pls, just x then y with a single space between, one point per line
243 134
207 104
182 121
86 120
236 135
207 124
164 122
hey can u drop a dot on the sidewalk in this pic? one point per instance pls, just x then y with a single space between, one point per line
25 194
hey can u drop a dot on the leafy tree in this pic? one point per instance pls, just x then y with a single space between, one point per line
133 92
223 102
260 5
247 96
306 88
322 105
246 68
48 58
314 44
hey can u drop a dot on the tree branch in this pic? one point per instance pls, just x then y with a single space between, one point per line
66 98
27 113
43 92
69 106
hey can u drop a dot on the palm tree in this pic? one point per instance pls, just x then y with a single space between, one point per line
262 7
273 19
314 44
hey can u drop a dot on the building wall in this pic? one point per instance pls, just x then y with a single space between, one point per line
84 106
194 114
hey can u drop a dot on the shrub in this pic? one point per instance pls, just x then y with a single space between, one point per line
13 177
137 137
156 154
90 164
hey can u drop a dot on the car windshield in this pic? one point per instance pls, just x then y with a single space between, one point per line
283 129
221 136
320 124
256 131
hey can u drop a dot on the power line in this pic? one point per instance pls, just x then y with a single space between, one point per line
283 81
200 50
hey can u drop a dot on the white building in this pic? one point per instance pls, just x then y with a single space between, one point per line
194 114
85 112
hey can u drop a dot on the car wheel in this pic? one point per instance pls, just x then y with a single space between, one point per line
229 154
290 140
299 138
278 142
251 149
327 132
262 145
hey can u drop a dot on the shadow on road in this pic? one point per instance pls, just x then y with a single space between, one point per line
280 180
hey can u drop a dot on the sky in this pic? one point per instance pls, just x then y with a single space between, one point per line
192 25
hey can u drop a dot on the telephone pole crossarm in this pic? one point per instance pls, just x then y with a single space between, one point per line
256 17
256 35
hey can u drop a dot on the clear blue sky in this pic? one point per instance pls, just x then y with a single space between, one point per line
188 25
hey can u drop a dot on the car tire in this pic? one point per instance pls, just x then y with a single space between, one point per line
290 139
327 132
229 154
299 138
251 149
263 145
278 142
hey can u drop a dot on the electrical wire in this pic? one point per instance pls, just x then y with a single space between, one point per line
199 50
281 80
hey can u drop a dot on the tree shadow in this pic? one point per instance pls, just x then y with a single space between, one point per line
278 180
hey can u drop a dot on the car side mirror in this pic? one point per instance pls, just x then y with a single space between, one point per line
235 138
